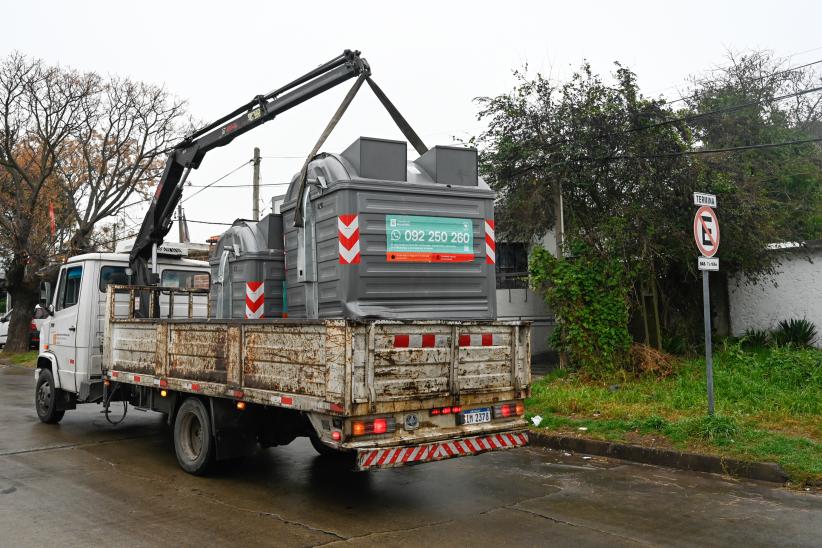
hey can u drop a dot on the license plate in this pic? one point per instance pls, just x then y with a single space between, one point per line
476 416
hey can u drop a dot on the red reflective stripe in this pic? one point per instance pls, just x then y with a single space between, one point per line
465 340
381 460
487 339
397 454
401 341
137 378
429 340
287 400
447 448
195 387
490 241
369 459
348 242
512 440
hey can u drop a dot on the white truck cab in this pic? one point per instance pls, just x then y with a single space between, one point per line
71 338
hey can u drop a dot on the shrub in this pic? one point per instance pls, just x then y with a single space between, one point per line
796 332
589 296
756 338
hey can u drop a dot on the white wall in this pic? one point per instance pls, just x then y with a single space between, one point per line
795 292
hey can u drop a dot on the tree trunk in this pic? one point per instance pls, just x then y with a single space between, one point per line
24 296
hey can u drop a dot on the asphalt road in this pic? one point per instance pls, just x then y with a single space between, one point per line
85 482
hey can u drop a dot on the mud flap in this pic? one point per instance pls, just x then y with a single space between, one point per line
235 434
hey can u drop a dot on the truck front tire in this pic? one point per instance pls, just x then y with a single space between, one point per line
45 398
193 437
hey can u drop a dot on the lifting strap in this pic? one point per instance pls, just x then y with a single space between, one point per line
404 126
401 122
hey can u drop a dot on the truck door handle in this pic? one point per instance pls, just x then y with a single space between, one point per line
72 328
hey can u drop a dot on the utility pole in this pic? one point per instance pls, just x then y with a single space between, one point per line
559 239
182 226
255 210
114 235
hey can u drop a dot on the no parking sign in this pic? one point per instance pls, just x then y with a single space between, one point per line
706 231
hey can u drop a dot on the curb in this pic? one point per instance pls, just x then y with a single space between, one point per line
762 471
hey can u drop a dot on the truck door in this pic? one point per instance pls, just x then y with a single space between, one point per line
63 325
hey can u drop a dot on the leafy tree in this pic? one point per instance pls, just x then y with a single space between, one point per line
626 172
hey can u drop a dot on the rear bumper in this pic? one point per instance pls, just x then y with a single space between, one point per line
392 457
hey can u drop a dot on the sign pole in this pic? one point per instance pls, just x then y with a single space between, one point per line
709 363
706 235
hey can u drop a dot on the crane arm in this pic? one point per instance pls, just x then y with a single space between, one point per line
189 153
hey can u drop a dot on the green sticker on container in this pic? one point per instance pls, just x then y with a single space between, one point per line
419 239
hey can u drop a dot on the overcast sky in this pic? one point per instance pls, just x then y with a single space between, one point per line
431 58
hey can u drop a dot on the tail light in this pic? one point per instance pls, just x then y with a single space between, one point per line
33 326
512 409
445 410
380 425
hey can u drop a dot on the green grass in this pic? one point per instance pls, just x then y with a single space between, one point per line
28 359
768 408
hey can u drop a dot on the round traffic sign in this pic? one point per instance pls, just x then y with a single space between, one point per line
706 231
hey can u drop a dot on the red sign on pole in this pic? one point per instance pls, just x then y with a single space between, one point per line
706 231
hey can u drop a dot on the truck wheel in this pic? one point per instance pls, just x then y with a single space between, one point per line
325 451
193 439
45 398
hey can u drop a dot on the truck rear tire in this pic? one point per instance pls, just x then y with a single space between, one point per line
193 437
45 398
329 453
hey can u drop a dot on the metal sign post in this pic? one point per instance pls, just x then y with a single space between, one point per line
709 359
706 234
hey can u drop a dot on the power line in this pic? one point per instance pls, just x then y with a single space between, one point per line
734 108
702 151
206 222
236 169
791 69
695 116
237 186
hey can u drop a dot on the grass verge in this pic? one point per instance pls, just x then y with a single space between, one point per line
27 359
768 408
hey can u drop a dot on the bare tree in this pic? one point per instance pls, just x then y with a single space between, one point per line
117 153
80 146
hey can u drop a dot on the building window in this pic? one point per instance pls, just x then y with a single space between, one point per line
512 265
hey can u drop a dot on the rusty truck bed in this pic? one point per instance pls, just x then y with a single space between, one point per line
341 367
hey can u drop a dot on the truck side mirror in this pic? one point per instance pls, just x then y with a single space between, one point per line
45 293
50 309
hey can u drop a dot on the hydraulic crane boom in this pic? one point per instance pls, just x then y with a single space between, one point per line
188 154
